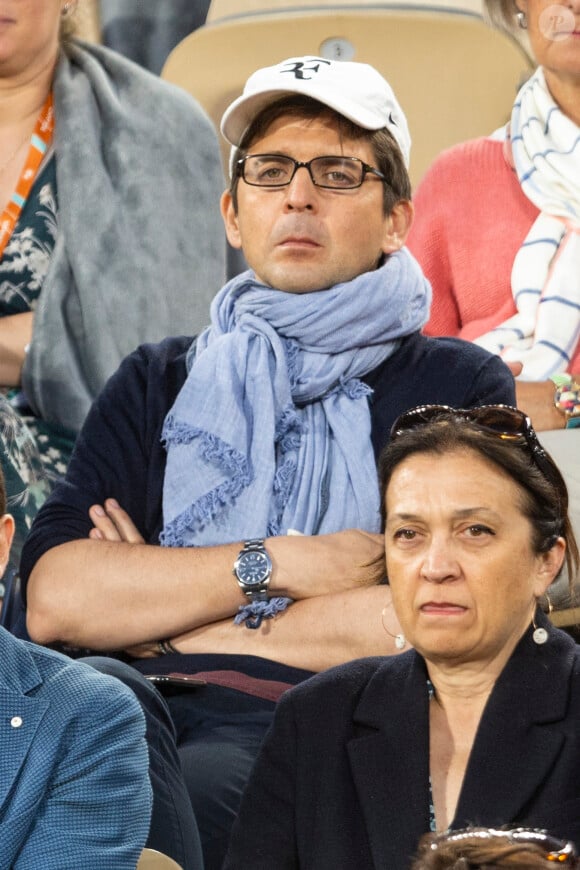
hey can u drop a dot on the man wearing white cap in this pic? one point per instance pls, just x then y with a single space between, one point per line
252 448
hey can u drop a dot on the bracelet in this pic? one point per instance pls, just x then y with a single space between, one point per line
567 399
166 648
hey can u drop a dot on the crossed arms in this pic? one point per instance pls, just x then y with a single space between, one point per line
137 594
93 582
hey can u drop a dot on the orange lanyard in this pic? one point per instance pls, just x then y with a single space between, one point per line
39 143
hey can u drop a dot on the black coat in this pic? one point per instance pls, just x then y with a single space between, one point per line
342 779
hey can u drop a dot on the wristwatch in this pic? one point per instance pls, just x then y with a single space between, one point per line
253 570
567 399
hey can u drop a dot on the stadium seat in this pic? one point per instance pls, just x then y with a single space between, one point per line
454 76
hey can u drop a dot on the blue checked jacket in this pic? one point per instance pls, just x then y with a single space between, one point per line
74 786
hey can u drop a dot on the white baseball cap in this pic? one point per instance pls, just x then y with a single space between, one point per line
356 90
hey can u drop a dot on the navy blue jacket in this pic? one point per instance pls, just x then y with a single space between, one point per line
342 779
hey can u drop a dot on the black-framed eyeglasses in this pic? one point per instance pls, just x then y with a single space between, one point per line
557 850
278 170
502 421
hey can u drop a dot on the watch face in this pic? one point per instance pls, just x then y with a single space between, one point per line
253 568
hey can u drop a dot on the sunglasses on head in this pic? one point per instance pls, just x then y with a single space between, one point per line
557 850
501 421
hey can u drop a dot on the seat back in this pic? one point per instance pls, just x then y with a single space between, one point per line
220 9
454 76
152 860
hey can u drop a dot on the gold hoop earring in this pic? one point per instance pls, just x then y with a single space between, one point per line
400 639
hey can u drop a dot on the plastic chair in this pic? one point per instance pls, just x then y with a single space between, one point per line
455 77
220 9
152 860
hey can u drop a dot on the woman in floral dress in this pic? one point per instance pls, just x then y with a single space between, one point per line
110 237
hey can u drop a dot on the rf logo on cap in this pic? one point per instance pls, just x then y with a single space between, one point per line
299 68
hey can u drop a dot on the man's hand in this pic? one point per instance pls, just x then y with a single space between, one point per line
304 567
112 523
310 567
536 399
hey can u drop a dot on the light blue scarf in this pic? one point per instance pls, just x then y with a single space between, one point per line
271 430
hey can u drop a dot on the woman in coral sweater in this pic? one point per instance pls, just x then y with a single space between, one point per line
497 231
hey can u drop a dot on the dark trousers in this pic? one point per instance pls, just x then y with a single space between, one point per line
202 745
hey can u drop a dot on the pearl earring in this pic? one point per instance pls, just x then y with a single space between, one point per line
522 20
400 639
540 635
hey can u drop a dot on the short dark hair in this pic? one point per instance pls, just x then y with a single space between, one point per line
544 501
385 148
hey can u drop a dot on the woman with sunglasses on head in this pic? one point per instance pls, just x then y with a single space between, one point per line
492 849
477 720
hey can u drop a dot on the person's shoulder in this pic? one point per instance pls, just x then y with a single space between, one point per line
147 381
440 371
559 673
478 376
431 351
126 73
81 697
155 360
80 53
571 650
59 672
453 347
467 155
65 684
423 365
170 351
456 175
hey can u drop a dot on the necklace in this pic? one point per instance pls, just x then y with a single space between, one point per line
7 163
39 143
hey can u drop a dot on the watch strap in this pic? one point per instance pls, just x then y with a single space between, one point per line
253 544
257 594
260 606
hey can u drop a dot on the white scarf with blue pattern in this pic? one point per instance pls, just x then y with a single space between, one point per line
545 150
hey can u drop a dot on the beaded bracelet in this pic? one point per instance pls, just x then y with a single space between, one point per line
166 648
567 399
